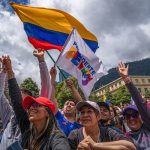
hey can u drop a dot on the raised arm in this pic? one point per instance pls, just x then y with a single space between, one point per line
45 78
74 91
53 73
5 108
15 96
140 103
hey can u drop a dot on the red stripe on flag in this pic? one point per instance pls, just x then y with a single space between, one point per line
43 45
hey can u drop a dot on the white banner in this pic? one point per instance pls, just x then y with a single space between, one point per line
79 60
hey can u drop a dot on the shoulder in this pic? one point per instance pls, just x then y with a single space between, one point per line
114 135
58 140
59 115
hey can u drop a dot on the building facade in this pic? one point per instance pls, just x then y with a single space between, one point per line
141 82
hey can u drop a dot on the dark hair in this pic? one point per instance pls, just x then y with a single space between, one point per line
114 110
26 91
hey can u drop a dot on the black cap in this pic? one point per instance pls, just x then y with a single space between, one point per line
103 104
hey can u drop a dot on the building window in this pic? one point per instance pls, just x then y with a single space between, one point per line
145 89
116 85
139 89
143 81
136 80
148 80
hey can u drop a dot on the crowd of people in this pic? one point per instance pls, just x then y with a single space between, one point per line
37 123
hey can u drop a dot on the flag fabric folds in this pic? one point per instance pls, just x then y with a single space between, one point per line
49 28
78 60
105 99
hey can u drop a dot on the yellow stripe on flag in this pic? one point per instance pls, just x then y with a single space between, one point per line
51 19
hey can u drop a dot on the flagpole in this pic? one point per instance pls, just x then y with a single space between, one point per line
55 62
54 65
66 42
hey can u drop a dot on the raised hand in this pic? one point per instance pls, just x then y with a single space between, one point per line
7 63
53 72
69 83
123 70
39 54
7 67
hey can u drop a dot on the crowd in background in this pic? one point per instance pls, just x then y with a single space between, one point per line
36 123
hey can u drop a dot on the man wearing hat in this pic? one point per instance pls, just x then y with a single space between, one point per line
106 116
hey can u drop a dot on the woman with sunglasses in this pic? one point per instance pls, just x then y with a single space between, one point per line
35 118
137 117
94 137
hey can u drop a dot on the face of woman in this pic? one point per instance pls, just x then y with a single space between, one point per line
37 112
112 114
88 117
133 120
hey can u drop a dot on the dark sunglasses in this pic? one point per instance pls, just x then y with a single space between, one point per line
133 115
34 105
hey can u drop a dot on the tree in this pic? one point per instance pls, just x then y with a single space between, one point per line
30 85
63 93
120 96
147 94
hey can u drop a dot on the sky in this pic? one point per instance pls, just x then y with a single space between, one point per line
122 28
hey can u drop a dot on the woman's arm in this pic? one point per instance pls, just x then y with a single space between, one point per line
15 96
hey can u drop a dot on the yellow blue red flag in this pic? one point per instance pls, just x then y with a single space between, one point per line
49 28
105 99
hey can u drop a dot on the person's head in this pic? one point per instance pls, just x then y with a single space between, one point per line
89 113
69 109
25 92
112 112
132 117
38 109
118 110
105 111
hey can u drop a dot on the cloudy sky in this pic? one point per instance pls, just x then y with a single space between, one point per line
121 26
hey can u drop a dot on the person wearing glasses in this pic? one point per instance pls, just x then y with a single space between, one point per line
35 118
137 117
92 136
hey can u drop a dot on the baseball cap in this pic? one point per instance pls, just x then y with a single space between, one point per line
103 104
87 103
133 107
29 100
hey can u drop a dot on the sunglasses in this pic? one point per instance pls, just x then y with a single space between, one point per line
133 115
34 105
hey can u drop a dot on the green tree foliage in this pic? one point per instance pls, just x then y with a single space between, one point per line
147 94
120 96
63 93
30 85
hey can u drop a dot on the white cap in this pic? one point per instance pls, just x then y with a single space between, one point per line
87 103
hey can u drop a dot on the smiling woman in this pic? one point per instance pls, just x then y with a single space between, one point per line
91 135
35 118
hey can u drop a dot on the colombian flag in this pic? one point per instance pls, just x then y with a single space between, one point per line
49 28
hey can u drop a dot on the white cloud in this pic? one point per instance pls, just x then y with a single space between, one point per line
122 28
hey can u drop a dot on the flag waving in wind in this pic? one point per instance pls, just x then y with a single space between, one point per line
78 60
49 28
